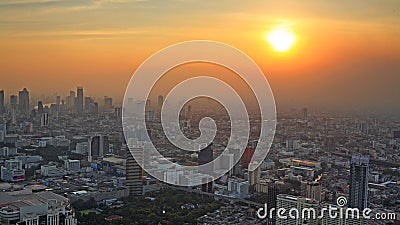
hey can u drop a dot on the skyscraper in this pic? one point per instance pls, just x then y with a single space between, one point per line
358 193
134 172
246 157
313 190
79 99
40 107
98 146
24 102
2 108
160 102
205 156
44 119
107 104
13 102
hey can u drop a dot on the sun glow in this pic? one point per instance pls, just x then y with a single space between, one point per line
281 39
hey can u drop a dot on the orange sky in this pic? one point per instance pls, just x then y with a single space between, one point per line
345 54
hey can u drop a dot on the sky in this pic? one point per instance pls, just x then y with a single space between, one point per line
346 54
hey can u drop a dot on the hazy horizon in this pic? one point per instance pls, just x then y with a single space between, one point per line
346 55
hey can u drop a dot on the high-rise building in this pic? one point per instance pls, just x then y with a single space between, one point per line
44 120
23 103
12 171
246 157
88 101
160 102
3 130
205 156
134 172
98 146
2 107
58 100
358 193
309 206
40 107
254 178
13 102
71 101
274 189
79 99
108 104
313 190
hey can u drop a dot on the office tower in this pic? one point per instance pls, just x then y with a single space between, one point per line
12 171
58 100
40 107
118 112
44 120
88 101
313 190
227 162
98 146
160 101
134 172
358 193
274 189
107 104
71 101
13 102
254 178
2 107
289 202
23 97
205 156
246 157
94 108
3 130
79 99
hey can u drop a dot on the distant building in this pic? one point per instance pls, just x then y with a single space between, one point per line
40 109
3 131
358 193
108 105
160 101
98 146
44 120
13 102
12 171
134 173
24 102
254 178
79 100
247 156
206 155
2 104
313 191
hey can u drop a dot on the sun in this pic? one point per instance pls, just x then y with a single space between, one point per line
281 39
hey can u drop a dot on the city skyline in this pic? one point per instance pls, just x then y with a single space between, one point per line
344 55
